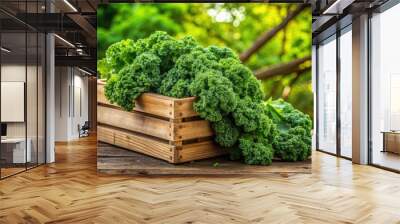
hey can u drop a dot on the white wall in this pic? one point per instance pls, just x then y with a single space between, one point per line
71 102
14 73
13 101
10 73
80 109
33 126
62 82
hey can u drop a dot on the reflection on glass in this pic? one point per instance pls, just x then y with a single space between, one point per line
385 84
31 97
346 93
22 87
394 101
327 96
41 99
15 150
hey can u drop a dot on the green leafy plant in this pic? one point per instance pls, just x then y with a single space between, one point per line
228 94
292 142
226 132
256 149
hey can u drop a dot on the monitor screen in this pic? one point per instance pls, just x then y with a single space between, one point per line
3 129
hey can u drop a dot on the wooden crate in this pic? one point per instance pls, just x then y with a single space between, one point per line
163 127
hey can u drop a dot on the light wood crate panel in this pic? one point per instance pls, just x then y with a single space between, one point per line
156 104
172 130
158 148
199 150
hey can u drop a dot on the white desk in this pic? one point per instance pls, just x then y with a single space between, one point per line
19 149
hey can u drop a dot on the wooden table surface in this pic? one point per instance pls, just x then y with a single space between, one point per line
115 160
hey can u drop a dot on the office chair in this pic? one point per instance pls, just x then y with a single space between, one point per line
84 130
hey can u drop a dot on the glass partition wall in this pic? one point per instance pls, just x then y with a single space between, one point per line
345 62
334 94
22 77
334 89
385 89
327 95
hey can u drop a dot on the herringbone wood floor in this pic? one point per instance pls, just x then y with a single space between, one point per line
70 191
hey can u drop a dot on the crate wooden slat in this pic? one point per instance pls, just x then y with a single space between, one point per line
158 148
199 150
105 135
142 123
134 121
136 143
200 129
155 104
159 126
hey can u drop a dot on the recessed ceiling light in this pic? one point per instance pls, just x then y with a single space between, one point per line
5 50
70 5
84 71
337 7
65 41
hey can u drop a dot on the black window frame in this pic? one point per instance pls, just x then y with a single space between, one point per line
338 29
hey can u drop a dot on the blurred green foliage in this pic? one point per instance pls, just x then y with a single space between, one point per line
234 25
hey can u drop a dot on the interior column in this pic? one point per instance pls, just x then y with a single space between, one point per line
360 90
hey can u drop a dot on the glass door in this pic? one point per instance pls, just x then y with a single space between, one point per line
327 95
32 98
346 95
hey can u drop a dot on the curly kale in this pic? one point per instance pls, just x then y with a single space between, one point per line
256 150
293 145
255 141
109 89
253 89
292 141
222 52
242 78
251 117
216 95
228 94
235 153
226 132
104 69
126 88
120 54
169 50
186 68
134 79
135 67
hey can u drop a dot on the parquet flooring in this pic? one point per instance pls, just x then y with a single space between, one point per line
71 191
10 171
